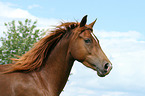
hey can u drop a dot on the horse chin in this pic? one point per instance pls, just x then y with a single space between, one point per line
100 73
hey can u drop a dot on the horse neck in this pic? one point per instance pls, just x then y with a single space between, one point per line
58 66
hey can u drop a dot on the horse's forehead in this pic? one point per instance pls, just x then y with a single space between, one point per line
86 27
89 32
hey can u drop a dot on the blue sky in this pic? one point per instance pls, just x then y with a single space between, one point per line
115 15
120 28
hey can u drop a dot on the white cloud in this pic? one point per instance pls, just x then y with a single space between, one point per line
114 34
45 23
9 13
19 13
115 94
34 6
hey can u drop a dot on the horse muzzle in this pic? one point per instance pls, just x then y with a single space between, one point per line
106 70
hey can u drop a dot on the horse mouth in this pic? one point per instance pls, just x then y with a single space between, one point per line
102 73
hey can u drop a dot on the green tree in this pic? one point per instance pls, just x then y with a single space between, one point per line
18 39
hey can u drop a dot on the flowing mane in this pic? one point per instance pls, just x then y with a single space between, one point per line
44 70
34 58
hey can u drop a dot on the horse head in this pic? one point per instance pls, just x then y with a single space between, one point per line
85 48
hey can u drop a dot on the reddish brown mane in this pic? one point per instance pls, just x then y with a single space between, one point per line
34 58
44 70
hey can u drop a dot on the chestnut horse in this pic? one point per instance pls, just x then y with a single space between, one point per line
44 70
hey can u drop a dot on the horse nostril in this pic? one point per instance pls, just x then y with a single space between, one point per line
106 66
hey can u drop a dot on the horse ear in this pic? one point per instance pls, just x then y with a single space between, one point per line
83 21
92 24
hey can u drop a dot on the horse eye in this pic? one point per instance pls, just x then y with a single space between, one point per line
88 40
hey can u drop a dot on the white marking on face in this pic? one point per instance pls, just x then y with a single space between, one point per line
94 37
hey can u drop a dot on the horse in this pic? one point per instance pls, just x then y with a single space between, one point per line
44 70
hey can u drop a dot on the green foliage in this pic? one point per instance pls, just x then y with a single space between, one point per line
18 39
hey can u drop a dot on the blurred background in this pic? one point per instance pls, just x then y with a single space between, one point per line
120 28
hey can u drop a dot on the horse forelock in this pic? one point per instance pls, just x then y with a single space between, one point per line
34 59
